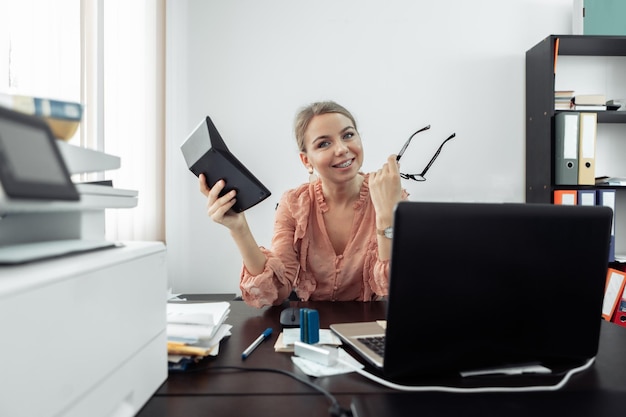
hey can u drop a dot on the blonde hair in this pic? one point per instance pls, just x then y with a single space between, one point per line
306 114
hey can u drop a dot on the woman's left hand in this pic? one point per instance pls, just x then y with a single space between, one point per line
385 191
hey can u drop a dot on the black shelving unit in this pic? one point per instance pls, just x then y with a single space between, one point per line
540 105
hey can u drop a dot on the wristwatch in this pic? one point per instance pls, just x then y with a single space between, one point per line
387 232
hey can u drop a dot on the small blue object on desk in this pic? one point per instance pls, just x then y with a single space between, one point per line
309 326
256 343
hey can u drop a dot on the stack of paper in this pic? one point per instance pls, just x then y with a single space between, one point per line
194 331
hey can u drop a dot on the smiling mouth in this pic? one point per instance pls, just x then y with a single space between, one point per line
345 164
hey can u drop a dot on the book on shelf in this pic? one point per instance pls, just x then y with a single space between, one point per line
589 99
568 94
562 105
563 99
588 107
63 129
63 117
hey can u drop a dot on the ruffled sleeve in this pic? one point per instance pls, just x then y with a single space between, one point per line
364 193
288 252
265 288
376 272
301 202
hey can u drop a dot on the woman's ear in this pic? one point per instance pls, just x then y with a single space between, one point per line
305 161
309 167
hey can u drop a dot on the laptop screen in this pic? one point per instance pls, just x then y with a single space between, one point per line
475 285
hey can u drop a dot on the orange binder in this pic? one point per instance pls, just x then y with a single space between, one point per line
613 291
566 197
619 317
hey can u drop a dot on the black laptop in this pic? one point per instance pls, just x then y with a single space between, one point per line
482 285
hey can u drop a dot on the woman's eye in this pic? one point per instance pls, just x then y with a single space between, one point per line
323 144
348 135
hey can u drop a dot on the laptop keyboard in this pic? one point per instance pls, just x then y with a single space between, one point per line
375 343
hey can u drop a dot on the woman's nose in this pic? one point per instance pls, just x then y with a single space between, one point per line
342 148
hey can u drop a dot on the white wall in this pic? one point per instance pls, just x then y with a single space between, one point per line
396 64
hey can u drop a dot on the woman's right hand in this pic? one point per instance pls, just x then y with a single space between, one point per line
219 208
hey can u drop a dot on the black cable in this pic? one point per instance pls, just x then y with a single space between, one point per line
335 409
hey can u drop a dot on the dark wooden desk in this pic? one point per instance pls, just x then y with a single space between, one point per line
206 390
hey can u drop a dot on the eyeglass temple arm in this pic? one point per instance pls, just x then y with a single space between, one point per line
436 155
406 144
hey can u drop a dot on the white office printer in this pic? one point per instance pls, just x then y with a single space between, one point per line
82 319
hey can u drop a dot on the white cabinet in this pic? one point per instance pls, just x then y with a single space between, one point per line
84 335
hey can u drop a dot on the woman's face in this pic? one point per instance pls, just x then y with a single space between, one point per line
333 147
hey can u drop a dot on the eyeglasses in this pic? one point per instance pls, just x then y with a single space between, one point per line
406 144
421 177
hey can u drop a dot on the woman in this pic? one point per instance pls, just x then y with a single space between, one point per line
330 240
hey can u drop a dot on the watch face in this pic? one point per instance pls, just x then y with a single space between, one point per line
389 232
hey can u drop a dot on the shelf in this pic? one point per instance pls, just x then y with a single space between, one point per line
591 45
588 187
540 86
541 81
612 117
603 116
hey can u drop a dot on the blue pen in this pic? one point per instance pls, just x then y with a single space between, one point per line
256 343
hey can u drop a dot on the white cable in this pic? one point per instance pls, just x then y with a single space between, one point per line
393 385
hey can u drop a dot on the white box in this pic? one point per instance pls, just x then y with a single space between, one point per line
84 335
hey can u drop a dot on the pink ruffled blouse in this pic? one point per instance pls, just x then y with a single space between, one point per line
302 257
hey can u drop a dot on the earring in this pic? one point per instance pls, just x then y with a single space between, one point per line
312 176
